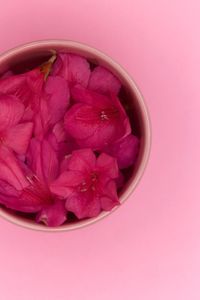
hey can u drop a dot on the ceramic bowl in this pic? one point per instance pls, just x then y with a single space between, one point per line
28 56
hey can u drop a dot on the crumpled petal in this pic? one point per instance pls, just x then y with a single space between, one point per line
18 137
54 215
73 68
42 159
103 81
10 170
26 87
11 111
53 105
125 151
57 94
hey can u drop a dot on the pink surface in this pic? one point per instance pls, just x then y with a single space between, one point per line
149 248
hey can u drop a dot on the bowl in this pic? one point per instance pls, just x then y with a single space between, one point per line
32 54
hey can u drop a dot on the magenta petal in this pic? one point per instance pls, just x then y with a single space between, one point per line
73 68
103 81
18 137
109 199
82 160
26 87
83 206
10 170
120 180
83 95
79 69
97 121
54 215
49 161
43 160
63 185
12 199
57 95
60 132
11 111
125 151
107 165
8 190
81 121
7 74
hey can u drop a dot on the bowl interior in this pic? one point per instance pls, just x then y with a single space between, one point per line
24 58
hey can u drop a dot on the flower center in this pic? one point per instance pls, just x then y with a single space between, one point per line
103 115
108 113
89 184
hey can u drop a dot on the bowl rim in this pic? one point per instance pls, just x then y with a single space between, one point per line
146 123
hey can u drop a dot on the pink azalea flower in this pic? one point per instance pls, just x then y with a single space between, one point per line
103 81
14 134
27 87
73 68
88 183
26 188
125 151
96 120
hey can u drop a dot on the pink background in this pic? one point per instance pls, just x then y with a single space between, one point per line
150 247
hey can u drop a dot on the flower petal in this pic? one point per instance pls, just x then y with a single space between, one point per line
57 95
120 180
83 95
103 81
54 215
82 160
43 160
107 164
11 111
10 170
73 68
18 137
64 184
125 151
83 206
109 199
59 132
81 121
97 121
24 86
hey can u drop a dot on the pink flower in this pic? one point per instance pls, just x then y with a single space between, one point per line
73 68
103 81
27 87
26 188
125 151
96 120
13 134
88 183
